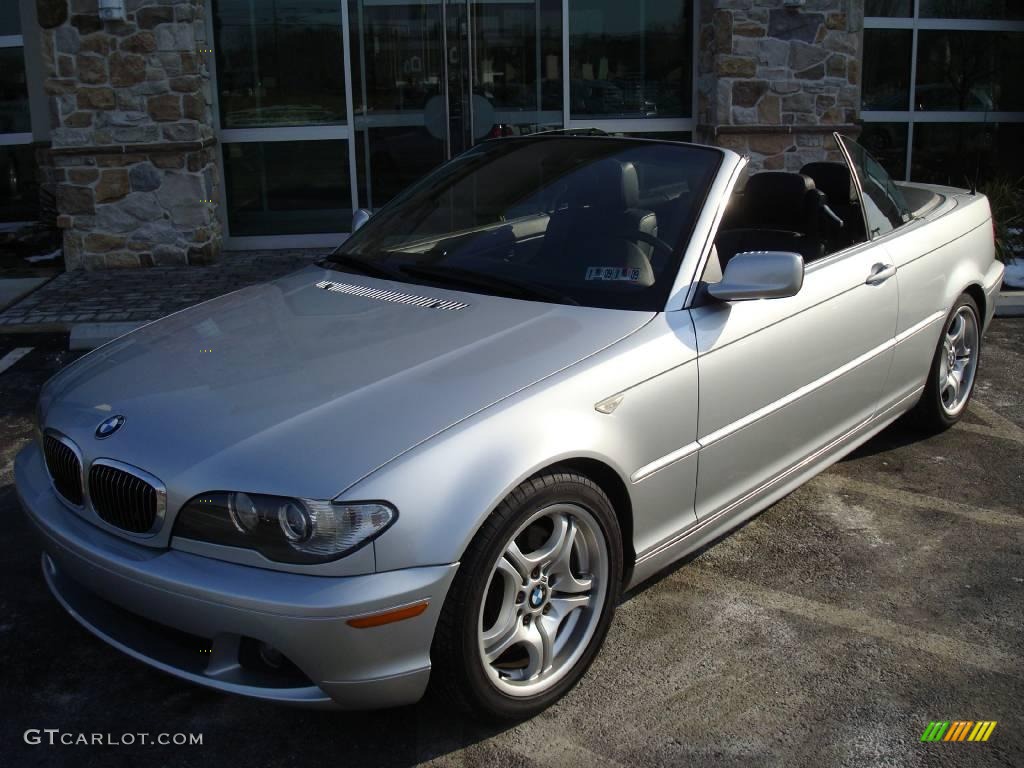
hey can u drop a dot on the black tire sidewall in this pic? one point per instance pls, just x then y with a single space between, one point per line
480 694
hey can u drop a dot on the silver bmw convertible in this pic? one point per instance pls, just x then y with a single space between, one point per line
537 377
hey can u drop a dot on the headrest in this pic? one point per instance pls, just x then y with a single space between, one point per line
833 179
777 200
609 185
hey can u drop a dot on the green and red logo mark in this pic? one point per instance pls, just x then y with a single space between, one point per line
958 730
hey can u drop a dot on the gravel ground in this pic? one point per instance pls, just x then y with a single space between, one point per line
886 593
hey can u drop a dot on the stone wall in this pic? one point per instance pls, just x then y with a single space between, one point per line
133 158
775 81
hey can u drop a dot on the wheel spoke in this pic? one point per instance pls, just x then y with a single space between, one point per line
493 652
527 562
561 558
539 639
952 385
507 615
519 562
563 606
955 335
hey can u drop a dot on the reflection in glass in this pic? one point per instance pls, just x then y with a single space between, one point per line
397 157
19 193
969 71
957 153
14 116
287 187
887 142
631 59
10 22
404 127
902 8
279 62
972 9
517 61
397 76
887 69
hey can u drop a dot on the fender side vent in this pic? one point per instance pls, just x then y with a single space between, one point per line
427 302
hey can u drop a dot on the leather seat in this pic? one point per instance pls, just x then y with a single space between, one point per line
598 223
779 212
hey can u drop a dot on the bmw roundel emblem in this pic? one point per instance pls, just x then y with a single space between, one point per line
109 426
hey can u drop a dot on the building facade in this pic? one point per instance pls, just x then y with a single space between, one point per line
179 128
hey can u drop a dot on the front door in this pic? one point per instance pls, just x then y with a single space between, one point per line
782 379
430 79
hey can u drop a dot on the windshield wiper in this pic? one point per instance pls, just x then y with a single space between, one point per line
362 266
500 284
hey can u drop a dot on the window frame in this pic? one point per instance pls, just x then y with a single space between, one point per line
910 116
350 131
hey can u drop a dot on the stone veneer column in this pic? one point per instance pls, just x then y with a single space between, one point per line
133 156
774 81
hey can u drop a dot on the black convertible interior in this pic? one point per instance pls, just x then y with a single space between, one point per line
814 213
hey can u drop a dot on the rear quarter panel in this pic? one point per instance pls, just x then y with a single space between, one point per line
938 257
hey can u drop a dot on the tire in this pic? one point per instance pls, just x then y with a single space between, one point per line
937 410
566 594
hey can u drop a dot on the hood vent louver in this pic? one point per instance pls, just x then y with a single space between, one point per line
427 302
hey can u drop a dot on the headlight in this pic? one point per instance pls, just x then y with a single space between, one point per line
287 530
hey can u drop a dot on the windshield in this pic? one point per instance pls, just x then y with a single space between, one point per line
595 221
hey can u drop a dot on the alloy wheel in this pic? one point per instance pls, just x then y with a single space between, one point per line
543 600
959 361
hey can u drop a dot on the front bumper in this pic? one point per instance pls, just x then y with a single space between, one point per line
193 616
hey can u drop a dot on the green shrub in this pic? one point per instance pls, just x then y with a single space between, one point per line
1006 196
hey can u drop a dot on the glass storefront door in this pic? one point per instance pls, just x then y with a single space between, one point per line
432 78
324 106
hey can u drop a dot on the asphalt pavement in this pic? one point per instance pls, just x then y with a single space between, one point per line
829 631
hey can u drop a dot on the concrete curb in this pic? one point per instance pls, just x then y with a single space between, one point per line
92 335
1010 304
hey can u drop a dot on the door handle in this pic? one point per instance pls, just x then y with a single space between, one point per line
880 273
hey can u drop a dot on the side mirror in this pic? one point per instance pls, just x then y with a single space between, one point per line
359 218
760 275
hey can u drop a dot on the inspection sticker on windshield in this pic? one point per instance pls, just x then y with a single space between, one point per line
631 274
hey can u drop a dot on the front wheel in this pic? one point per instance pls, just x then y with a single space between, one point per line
951 378
532 600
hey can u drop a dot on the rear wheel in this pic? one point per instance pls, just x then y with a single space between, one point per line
532 600
954 368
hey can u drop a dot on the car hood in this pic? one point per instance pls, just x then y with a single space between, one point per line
288 387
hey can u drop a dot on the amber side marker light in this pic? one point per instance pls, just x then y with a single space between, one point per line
389 617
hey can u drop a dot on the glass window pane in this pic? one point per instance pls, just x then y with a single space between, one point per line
287 187
279 63
887 69
954 153
631 59
972 9
19 193
517 58
13 92
10 22
887 142
969 71
884 206
889 8
397 156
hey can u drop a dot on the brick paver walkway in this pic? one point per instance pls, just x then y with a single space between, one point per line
127 295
